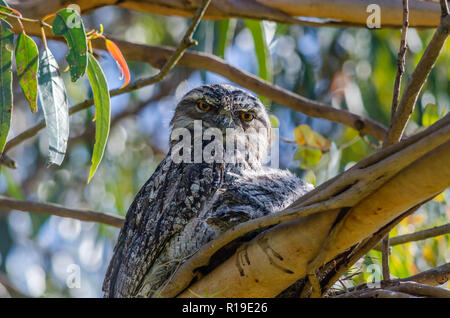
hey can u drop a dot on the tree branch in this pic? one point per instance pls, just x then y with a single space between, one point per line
351 13
401 59
156 56
175 56
56 209
4 280
418 236
418 79
398 289
434 276
346 190
298 242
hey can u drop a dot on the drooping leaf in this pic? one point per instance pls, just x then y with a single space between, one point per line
27 60
6 96
100 92
53 98
304 135
261 50
69 24
308 156
430 115
115 52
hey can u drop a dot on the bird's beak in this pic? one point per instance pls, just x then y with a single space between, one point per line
225 120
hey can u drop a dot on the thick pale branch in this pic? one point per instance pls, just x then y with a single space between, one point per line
287 248
56 209
346 190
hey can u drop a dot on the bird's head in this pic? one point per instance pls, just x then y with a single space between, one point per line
223 109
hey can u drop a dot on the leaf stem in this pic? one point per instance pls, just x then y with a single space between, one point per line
44 39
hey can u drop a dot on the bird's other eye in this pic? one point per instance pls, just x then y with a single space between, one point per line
245 116
204 107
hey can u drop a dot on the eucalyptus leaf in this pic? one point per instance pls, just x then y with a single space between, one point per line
6 96
53 99
100 92
261 49
27 60
430 115
69 24
224 33
4 7
308 157
274 122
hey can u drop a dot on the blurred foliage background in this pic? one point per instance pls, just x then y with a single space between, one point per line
352 69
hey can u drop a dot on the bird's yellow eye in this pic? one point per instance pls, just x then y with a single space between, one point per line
246 116
203 106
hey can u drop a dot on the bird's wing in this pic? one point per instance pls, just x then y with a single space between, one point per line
164 205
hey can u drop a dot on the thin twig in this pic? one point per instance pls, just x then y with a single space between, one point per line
444 8
20 18
374 293
397 289
56 209
385 251
434 276
12 289
418 79
418 236
401 60
7 161
413 288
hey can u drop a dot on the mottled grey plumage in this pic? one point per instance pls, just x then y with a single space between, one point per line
185 205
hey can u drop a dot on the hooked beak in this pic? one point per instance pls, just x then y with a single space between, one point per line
225 120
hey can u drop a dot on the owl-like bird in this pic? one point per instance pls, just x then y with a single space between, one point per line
196 193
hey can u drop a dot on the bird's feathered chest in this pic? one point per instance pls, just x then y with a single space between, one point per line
184 206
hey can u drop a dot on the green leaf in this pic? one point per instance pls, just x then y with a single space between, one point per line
27 60
274 122
102 111
310 177
6 96
225 33
69 24
261 49
4 7
304 135
308 157
430 115
53 98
